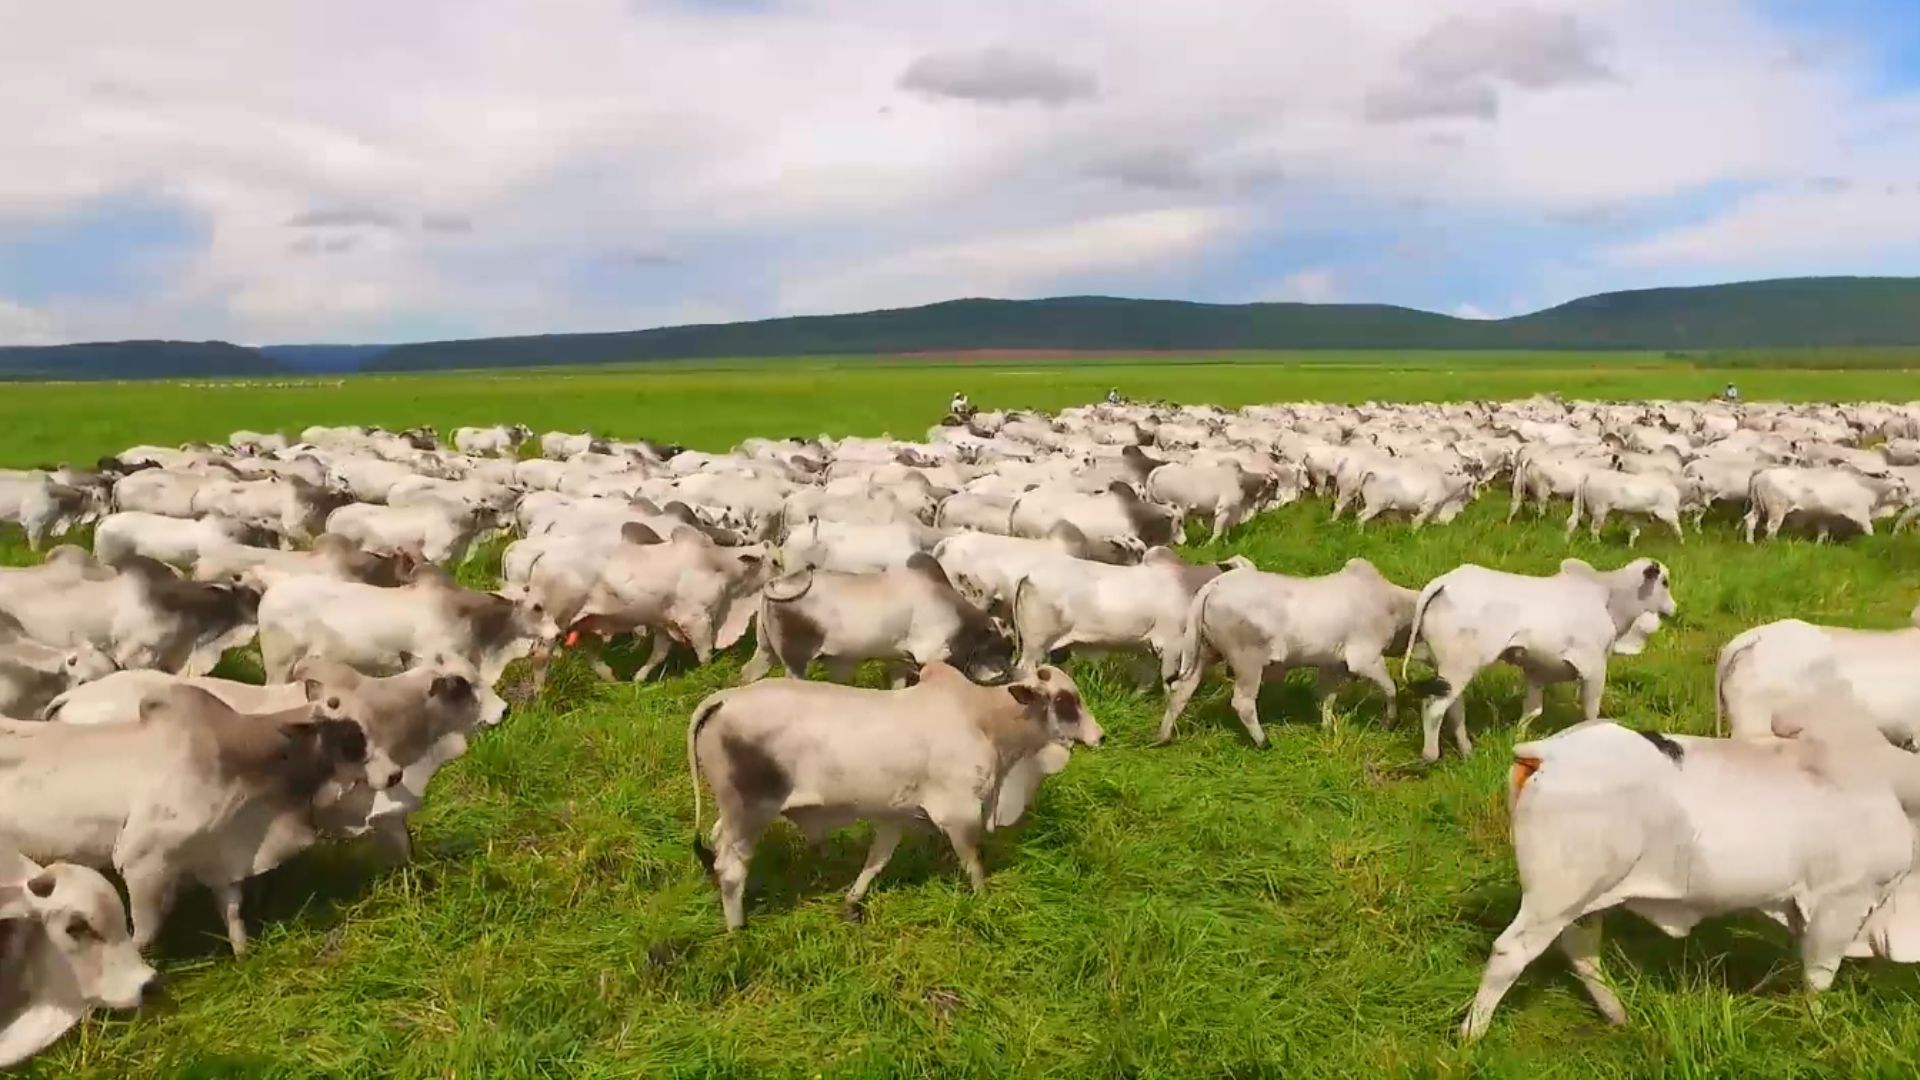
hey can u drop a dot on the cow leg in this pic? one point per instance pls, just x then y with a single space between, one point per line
277 657
1447 705
1367 513
761 664
594 650
1180 692
1866 525
1534 704
1326 682
1592 684
1374 670
1774 521
1828 933
228 897
1520 944
1906 518
149 895
886 837
1222 520
963 832
656 656
1820 532
394 838
1633 534
1457 720
1672 521
1580 941
1748 522
733 850
1246 699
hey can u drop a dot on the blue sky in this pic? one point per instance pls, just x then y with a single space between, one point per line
361 171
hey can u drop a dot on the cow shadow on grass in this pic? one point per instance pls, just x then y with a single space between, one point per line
1292 703
787 873
1744 953
311 892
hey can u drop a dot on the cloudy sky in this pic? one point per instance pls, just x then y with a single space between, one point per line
373 170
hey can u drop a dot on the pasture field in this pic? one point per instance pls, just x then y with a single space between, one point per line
1323 907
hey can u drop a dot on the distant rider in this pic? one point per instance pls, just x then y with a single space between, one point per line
960 406
1731 395
1113 396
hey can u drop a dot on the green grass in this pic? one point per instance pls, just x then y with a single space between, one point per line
1320 908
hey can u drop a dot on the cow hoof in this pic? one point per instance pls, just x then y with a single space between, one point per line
853 912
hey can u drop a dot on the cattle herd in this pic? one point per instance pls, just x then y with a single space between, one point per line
968 563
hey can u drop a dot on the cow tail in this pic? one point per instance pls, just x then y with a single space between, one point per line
701 714
1579 500
1191 644
1023 592
1723 670
1427 596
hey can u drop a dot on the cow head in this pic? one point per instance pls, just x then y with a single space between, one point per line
64 948
324 755
1050 697
1462 487
1639 595
84 663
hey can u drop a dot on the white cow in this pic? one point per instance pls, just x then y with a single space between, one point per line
823 756
1604 492
501 440
1791 667
1554 629
1341 624
1420 489
1826 495
439 532
1224 491
1816 832
193 791
179 542
64 952
1062 601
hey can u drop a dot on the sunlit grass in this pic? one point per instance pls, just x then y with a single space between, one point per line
1319 908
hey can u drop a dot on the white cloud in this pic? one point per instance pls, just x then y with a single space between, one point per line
1311 286
1472 311
1822 228
772 149
21 325
997 76
1022 263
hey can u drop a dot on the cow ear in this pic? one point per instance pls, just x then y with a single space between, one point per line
41 885
450 686
1024 694
314 689
1652 572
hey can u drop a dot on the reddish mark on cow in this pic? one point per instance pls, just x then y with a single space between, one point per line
1523 770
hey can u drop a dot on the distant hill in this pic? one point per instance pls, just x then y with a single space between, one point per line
1792 313
133 360
1789 313
1078 323
324 357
